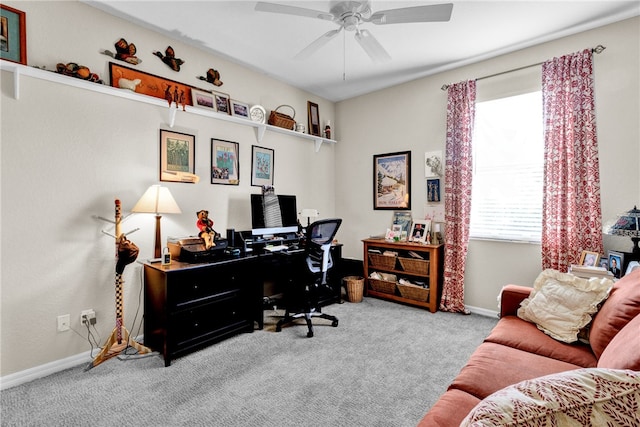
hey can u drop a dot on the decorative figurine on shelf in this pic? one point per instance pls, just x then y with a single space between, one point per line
213 77
170 59
124 52
79 71
205 225
327 130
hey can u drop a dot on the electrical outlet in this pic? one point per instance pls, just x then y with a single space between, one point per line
64 322
88 316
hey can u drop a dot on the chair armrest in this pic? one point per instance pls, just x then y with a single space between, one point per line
510 298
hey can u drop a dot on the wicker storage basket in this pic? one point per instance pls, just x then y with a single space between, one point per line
384 262
415 266
414 292
383 286
355 288
282 120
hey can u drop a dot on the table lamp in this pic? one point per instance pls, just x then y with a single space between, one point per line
628 224
157 200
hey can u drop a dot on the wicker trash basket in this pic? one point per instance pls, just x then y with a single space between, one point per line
355 288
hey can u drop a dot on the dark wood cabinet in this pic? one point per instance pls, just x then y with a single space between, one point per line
189 306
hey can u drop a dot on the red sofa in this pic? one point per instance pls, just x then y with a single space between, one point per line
516 350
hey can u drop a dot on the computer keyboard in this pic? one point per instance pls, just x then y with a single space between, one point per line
276 248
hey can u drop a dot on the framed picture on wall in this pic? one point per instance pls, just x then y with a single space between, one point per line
262 160
13 32
392 181
225 167
177 156
239 109
433 190
223 104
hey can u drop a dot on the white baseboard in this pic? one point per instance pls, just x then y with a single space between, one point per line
482 311
41 371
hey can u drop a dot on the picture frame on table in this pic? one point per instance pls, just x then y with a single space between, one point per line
404 220
420 229
313 114
177 157
589 259
604 262
203 99
225 166
239 109
13 31
616 262
392 181
262 166
222 101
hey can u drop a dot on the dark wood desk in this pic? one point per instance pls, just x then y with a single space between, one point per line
189 306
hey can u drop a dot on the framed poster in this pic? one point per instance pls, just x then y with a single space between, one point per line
177 156
392 181
225 167
433 190
261 166
314 118
13 35
151 85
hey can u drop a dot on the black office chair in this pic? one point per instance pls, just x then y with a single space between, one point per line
305 297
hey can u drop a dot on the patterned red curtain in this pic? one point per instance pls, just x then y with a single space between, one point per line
461 111
572 217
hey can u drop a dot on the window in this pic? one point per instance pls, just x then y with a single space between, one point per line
508 155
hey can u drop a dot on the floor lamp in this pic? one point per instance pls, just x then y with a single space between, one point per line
157 200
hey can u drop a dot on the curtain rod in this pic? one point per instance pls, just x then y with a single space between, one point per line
597 49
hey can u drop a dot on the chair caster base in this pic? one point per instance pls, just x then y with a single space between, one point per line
334 323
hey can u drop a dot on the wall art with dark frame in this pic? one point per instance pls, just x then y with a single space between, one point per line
262 162
13 28
392 181
433 190
177 156
225 167
314 118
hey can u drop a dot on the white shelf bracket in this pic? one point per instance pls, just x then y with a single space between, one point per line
318 144
260 129
172 116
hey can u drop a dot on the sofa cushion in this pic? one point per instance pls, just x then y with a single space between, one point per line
622 305
494 366
517 333
623 351
594 397
449 410
561 304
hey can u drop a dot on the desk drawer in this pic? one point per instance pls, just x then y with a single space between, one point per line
189 288
204 322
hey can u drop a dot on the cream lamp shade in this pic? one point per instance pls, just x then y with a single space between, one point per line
157 200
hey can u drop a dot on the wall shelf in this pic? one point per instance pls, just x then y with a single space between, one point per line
172 112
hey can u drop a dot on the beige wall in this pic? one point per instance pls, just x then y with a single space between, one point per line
68 153
412 117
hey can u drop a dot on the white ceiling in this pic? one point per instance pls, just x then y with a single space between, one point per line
267 42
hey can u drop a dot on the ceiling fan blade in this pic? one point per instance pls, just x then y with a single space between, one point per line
429 13
370 45
292 10
317 44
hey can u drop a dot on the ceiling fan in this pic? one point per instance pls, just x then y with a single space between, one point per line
349 15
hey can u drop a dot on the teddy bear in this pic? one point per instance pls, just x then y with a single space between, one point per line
205 225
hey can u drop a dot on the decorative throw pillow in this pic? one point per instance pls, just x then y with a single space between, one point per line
561 304
582 397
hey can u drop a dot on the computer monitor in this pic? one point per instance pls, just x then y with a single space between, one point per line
267 221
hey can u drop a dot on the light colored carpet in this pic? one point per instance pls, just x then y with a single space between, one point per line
384 365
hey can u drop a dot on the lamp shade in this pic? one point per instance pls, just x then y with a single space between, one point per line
628 224
156 200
